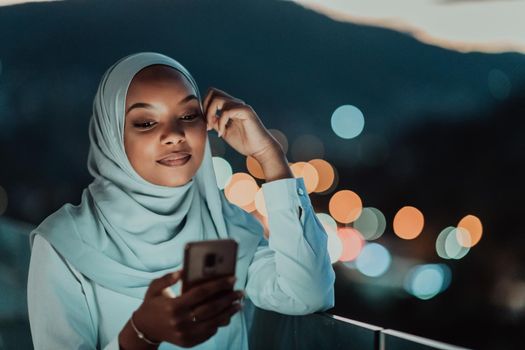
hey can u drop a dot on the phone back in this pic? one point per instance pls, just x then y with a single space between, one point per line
206 260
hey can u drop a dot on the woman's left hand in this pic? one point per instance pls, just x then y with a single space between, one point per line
238 124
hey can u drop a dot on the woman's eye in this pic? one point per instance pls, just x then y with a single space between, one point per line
144 125
189 117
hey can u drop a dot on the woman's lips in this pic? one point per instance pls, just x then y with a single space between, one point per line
175 160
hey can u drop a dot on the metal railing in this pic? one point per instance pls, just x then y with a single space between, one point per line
267 330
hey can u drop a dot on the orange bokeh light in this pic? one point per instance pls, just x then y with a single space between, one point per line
326 174
309 174
260 204
353 243
473 226
345 206
254 167
264 222
408 222
241 190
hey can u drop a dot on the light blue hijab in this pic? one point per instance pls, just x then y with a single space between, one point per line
127 231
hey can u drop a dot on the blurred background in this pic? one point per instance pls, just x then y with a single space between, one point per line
405 118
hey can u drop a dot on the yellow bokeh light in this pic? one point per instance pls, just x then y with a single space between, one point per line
408 222
345 206
308 173
254 167
326 174
241 191
352 242
473 226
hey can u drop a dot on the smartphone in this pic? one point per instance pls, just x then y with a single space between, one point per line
207 260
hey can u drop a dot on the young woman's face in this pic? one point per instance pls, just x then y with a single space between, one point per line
164 117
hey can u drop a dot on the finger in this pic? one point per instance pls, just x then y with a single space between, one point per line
200 293
221 319
215 102
226 320
223 121
231 110
207 99
214 99
212 92
212 308
157 286
204 329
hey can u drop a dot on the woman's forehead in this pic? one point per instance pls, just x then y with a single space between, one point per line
159 76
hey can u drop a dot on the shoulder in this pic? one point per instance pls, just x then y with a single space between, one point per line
46 262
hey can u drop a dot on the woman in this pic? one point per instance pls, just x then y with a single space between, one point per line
103 274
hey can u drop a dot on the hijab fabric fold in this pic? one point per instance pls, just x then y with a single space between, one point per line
127 231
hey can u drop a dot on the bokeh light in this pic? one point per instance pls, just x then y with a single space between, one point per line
427 280
334 244
241 191
334 247
264 222
281 138
254 168
453 249
473 226
308 173
352 241
347 121
345 206
223 171
374 260
260 204
371 223
3 200
307 147
447 243
408 222
327 221
325 172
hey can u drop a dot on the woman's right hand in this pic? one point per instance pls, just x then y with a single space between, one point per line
164 318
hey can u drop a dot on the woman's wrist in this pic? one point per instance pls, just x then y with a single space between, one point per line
274 164
128 339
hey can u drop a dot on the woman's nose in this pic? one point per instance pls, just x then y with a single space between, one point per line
173 133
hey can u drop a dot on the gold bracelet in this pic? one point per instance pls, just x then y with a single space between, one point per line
140 334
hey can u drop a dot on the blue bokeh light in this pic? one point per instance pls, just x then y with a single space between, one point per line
347 121
374 260
426 281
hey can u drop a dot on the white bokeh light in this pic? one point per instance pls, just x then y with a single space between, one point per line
223 171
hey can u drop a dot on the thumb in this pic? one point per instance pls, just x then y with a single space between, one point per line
160 285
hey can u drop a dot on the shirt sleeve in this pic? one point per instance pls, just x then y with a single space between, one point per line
291 273
59 316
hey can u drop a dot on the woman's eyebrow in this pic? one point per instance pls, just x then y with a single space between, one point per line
149 106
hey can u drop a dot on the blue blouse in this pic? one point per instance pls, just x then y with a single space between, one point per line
290 273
